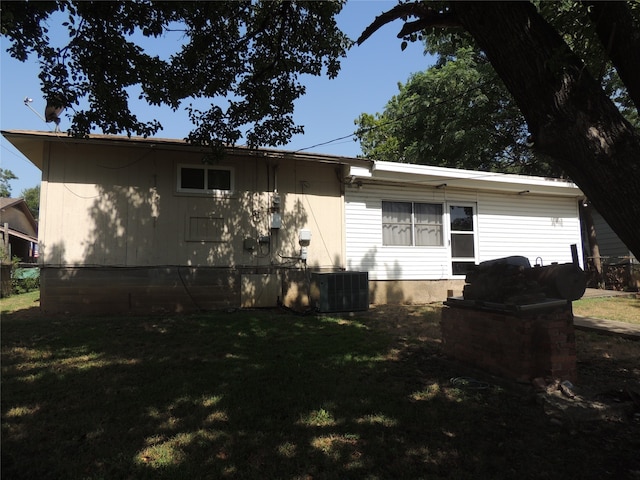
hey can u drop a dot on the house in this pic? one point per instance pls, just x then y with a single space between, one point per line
612 250
613 266
417 229
133 224
18 234
19 230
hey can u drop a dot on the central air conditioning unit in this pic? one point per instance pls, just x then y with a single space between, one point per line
340 291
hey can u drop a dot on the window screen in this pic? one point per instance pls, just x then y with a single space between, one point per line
410 223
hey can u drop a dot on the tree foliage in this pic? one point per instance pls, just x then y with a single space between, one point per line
459 114
569 116
5 177
456 114
245 56
32 199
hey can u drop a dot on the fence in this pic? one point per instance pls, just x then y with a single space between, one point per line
618 273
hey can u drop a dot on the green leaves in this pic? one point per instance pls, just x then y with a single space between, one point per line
250 53
456 114
459 114
32 198
5 177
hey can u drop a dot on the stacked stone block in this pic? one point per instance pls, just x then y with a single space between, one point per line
519 346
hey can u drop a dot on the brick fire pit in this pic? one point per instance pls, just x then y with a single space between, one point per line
515 342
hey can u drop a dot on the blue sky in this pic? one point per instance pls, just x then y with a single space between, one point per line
368 78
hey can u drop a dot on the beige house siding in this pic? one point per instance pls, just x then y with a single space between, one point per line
118 234
135 217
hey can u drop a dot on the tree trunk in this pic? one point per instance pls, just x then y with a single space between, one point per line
619 37
592 239
569 116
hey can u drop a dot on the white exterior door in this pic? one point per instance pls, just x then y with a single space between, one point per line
463 243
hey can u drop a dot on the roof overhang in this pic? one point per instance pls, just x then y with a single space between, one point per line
32 144
441 177
23 236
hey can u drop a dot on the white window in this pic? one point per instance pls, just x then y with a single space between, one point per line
412 224
205 179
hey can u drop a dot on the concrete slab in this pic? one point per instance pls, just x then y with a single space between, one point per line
596 292
607 327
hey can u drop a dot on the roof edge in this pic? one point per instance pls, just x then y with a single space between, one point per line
20 136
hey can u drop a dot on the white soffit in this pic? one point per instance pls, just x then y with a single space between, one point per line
405 173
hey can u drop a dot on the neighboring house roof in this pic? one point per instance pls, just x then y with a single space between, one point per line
17 226
16 213
15 233
7 202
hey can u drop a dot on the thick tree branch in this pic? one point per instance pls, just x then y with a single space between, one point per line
440 20
570 117
427 18
620 37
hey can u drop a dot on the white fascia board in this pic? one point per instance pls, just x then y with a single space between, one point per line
359 172
466 179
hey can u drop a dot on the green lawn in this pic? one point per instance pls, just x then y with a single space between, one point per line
22 302
270 395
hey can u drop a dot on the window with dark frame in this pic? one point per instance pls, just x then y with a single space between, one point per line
196 179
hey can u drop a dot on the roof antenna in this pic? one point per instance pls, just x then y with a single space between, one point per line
27 102
51 112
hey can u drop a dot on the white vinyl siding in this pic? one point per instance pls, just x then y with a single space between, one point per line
364 245
535 226
538 227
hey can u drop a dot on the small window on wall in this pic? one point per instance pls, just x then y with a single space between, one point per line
203 179
412 224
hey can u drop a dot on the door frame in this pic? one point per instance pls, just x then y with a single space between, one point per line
450 232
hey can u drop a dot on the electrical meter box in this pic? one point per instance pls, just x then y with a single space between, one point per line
276 220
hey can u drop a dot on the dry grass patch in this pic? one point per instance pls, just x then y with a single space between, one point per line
621 309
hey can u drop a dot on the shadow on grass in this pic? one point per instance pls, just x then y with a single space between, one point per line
262 395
